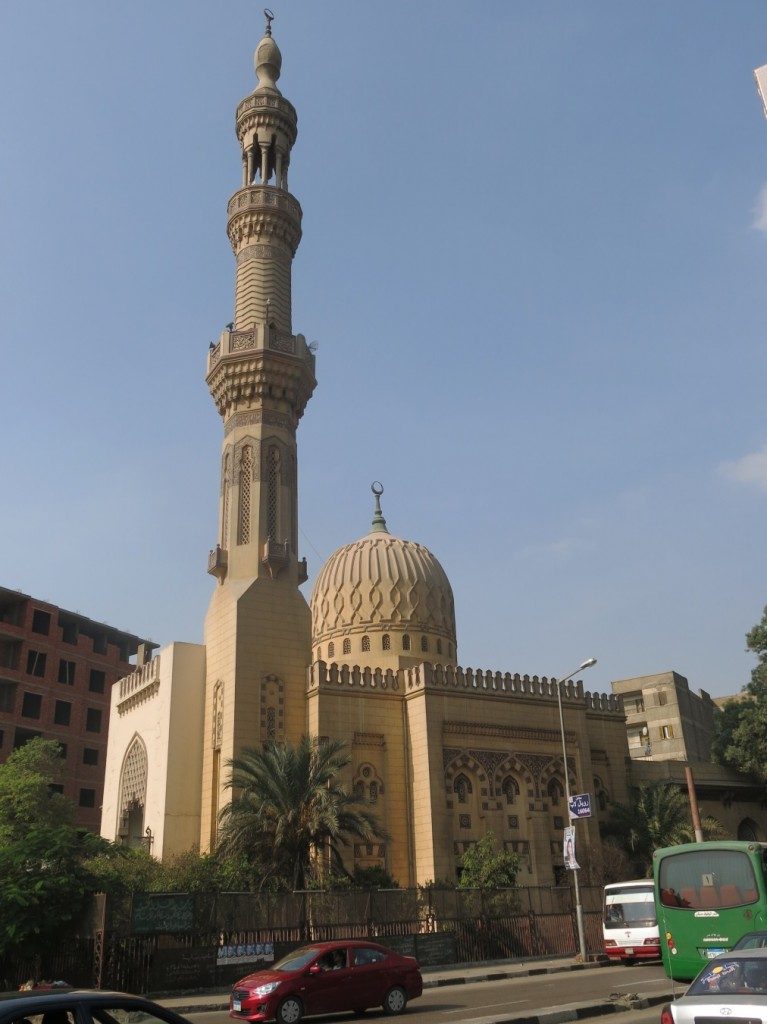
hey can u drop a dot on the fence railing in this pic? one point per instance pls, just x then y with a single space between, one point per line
162 942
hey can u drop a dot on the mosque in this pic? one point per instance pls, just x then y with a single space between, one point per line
443 753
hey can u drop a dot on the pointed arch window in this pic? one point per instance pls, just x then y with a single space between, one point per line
246 475
347 646
439 647
272 492
462 788
424 644
555 792
510 789
331 650
225 481
386 642
366 643
405 642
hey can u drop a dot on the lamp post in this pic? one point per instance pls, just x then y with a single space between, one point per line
578 908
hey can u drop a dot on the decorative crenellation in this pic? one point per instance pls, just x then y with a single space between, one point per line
335 675
265 101
144 675
266 197
427 675
467 680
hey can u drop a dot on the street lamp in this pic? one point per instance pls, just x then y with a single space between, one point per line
578 908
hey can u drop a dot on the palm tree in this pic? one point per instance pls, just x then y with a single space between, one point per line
657 816
289 809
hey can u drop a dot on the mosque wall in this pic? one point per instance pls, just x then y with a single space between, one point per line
154 753
462 752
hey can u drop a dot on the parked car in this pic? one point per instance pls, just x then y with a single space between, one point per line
732 986
81 1006
328 977
751 940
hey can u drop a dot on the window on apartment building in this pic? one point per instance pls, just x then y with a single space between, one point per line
31 705
87 798
7 696
90 755
41 622
667 732
639 705
22 736
100 643
63 750
97 681
35 663
69 632
2 737
93 720
661 698
62 712
66 672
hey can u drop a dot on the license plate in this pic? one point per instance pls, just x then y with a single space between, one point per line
629 950
711 953
236 1005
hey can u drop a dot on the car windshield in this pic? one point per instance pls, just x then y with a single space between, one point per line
729 974
297 959
639 914
754 941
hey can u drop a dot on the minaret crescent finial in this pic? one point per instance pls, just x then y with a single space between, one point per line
379 523
269 15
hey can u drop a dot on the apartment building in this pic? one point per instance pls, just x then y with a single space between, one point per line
57 668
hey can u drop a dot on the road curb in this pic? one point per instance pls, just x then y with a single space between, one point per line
576 1011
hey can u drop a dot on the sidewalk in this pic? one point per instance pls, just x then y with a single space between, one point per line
433 977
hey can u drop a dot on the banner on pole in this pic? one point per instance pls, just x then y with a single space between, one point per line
569 849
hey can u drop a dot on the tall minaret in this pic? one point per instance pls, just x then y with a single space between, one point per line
261 375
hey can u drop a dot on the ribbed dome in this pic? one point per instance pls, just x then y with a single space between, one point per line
381 584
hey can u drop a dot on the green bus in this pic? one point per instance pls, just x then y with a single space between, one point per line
707 896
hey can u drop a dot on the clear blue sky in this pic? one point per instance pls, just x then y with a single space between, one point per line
535 241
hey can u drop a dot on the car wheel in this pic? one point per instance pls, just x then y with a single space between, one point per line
290 1011
395 1001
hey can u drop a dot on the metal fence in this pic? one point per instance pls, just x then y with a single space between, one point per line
165 942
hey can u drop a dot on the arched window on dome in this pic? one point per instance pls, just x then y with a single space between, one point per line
386 642
319 654
347 646
331 650
424 644
439 647
374 792
462 788
366 643
405 642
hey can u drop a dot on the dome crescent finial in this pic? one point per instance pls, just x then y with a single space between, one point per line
269 15
379 523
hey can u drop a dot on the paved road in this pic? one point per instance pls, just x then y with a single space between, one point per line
491 999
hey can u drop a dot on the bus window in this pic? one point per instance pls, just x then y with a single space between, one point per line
707 880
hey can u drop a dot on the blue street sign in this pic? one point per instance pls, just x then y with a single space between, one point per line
580 805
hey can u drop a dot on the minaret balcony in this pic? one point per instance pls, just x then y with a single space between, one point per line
217 562
276 556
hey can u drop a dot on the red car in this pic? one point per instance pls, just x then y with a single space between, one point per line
328 977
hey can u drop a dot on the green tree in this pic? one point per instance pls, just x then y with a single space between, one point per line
44 881
740 731
657 816
290 812
485 866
